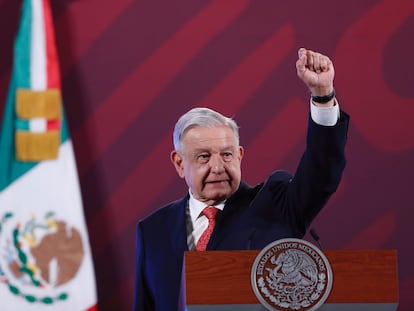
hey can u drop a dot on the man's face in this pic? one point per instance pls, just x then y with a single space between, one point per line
209 161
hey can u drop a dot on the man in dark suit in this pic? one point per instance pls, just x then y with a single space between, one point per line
207 155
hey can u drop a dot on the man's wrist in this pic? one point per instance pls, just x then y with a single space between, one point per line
323 99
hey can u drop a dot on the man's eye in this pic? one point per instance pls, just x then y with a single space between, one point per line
204 157
227 156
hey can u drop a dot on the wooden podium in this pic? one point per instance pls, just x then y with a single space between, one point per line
362 280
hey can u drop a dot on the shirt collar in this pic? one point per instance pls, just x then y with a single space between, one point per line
196 207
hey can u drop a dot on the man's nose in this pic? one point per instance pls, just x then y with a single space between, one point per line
216 164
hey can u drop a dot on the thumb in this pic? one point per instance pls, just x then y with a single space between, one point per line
301 62
301 52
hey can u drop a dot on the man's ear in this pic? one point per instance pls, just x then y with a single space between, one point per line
241 153
177 160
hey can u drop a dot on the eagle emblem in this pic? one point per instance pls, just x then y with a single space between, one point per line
291 274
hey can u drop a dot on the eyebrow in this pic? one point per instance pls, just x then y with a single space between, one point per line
198 150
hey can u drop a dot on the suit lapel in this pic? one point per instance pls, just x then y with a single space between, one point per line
233 205
177 219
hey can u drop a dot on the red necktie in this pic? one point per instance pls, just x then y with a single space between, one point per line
210 212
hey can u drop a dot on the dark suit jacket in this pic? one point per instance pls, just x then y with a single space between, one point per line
281 207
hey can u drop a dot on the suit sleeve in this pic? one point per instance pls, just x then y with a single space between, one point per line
296 200
320 170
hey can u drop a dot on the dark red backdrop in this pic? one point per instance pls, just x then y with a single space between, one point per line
130 68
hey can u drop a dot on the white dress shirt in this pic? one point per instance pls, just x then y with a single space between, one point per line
196 221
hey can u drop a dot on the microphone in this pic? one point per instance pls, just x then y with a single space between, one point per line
250 238
315 236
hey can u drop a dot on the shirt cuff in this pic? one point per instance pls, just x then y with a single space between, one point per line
326 116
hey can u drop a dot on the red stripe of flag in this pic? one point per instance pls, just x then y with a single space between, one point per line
53 125
53 76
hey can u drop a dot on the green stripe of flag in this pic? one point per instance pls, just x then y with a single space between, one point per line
10 169
22 125
22 47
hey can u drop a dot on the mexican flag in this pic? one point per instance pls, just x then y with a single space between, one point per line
45 257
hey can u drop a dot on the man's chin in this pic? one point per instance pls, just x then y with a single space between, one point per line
219 196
